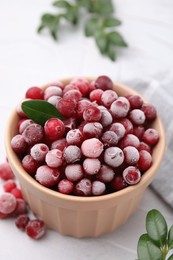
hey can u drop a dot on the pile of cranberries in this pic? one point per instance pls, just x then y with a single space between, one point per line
103 144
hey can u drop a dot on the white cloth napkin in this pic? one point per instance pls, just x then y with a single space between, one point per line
159 91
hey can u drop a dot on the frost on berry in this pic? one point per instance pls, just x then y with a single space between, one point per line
95 95
129 140
67 107
29 164
114 156
33 134
103 82
92 148
54 158
47 176
35 229
81 106
108 97
137 116
19 144
93 129
120 107
131 155
73 94
151 136
92 114
145 160
109 138
132 175
106 174
39 151
22 221
83 187
72 154
106 117
149 111
65 186
74 137
52 91
54 128
118 129
98 188
91 166
7 203
59 144
21 208
82 84
74 172
24 123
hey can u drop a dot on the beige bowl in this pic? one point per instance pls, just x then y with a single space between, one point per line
83 216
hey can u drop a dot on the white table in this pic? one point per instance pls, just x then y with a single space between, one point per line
27 59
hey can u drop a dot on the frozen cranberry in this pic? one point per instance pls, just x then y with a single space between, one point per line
106 117
83 187
59 144
6 172
129 140
82 84
144 146
74 172
108 97
29 164
127 125
92 86
47 176
104 83
135 101
151 136
139 131
19 144
17 193
106 174
54 158
81 106
39 151
149 111
109 138
74 137
92 148
33 134
132 175
92 113
145 160
35 229
21 208
2 215
24 123
22 221
52 91
73 94
72 154
113 156
67 107
137 116
7 203
98 188
93 129
120 107
9 185
34 93
131 155
54 128
91 165
118 129
95 95
118 182
65 186
54 100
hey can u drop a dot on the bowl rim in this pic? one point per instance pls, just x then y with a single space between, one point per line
146 177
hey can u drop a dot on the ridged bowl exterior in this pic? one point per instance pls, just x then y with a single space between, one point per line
83 216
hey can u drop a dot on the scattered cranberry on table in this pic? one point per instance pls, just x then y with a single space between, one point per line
103 143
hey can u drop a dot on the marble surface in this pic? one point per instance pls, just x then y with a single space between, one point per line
28 59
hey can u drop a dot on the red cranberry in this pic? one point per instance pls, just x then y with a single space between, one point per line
6 172
109 138
106 174
81 106
22 221
127 124
129 140
144 146
106 117
7 203
118 182
39 151
145 160
92 148
108 97
131 155
72 154
35 228
120 107
139 131
151 136
82 84
113 156
47 176
137 116
118 129
96 95
54 158
33 134
104 83
65 186
17 193
83 187
91 165
21 208
67 107
149 111
73 94
52 91
24 123
19 144
74 137
59 144
54 128
135 101
74 172
98 188
29 164
9 185
92 114
131 175
93 129
34 93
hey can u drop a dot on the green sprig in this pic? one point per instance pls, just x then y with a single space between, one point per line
100 23
158 241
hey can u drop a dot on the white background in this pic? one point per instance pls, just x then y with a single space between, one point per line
28 59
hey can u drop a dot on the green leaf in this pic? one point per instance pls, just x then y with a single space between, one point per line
40 111
101 41
50 22
72 15
111 22
117 39
111 53
156 227
91 26
103 7
147 250
170 237
63 4
40 28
